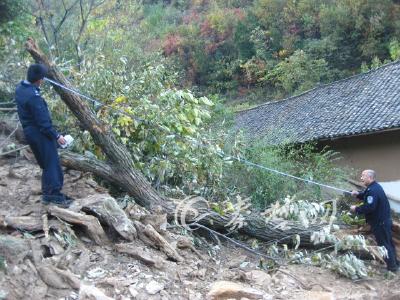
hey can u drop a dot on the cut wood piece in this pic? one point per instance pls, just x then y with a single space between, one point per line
45 222
151 237
157 220
231 290
90 223
26 223
254 225
57 278
106 209
162 243
185 243
69 277
88 292
137 253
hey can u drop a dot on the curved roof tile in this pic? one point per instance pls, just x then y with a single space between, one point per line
359 104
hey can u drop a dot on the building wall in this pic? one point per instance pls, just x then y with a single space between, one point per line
379 151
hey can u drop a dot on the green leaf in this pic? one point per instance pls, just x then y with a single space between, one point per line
206 101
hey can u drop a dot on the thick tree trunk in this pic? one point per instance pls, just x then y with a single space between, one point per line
254 226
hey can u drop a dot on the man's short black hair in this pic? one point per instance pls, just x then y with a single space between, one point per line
36 72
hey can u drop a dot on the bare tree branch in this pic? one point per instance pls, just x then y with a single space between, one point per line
66 12
43 27
9 136
46 13
84 18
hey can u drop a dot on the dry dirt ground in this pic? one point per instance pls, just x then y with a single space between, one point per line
100 272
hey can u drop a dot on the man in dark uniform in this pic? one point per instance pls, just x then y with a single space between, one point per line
40 135
376 209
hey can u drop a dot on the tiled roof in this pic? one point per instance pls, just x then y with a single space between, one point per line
359 104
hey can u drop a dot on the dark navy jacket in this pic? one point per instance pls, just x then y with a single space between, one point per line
32 109
376 207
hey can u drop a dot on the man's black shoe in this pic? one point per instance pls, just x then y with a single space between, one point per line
62 204
45 200
59 200
68 198
393 269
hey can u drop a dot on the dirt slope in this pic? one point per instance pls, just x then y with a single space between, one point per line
67 264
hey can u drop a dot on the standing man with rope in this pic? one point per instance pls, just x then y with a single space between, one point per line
40 135
376 209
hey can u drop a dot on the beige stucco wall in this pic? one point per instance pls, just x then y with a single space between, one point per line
379 151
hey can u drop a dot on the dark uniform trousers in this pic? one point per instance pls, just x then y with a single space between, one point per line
383 236
45 151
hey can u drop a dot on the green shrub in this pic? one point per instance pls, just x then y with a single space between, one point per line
305 161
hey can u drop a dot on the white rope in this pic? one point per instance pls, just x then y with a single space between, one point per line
94 101
74 91
290 176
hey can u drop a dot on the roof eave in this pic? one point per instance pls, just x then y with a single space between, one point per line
324 139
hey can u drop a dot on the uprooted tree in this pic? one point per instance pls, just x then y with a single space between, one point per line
119 170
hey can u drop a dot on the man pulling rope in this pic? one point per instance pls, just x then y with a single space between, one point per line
42 138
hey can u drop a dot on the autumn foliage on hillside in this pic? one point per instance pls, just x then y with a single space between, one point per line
230 45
